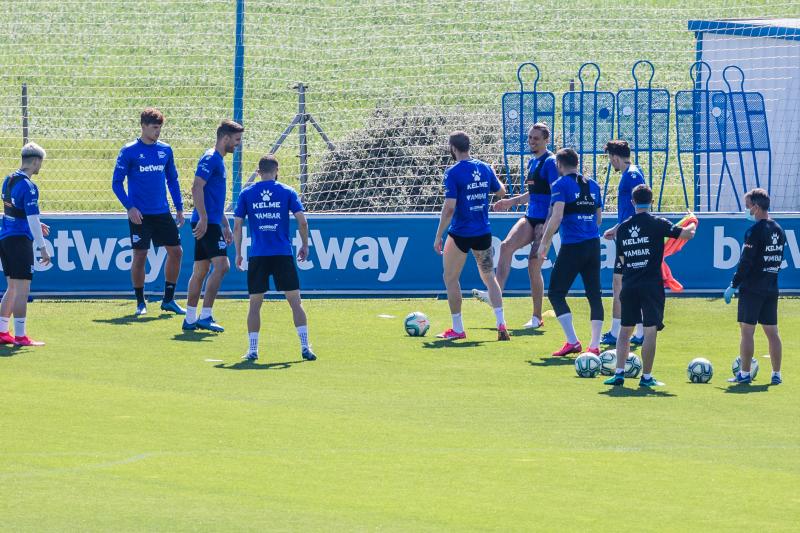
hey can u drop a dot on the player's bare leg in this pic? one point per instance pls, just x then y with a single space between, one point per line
199 272
485 262
521 234
453 260
648 349
253 326
172 270
137 279
746 345
775 348
300 323
18 303
536 278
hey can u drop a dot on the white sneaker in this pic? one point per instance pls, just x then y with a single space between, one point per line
533 323
482 296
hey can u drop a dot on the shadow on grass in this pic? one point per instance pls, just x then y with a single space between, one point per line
253 365
744 389
445 343
193 336
526 332
9 350
130 319
641 392
553 361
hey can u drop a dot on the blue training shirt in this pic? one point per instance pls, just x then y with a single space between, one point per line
539 184
25 196
266 205
631 177
581 201
211 168
470 182
150 169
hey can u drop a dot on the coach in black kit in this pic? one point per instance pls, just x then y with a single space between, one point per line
640 247
756 279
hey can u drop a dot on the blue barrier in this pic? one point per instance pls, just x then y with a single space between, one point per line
372 255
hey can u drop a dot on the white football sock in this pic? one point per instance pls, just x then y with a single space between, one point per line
498 316
646 376
302 334
744 374
639 330
4 324
191 315
776 374
458 324
597 330
569 330
19 327
615 325
205 313
253 336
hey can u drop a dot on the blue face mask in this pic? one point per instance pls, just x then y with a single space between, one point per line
750 216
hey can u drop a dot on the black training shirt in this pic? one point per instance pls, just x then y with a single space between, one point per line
761 258
640 244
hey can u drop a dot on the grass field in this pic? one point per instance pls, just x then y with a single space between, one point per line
129 425
91 66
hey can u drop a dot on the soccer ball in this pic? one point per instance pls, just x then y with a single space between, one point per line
416 324
633 365
737 365
587 365
700 370
608 362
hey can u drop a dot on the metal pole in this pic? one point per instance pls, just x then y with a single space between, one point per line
24 113
301 112
238 95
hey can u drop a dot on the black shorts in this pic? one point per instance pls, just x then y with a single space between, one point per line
643 303
161 229
479 243
280 267
16 255
211 245
758 308
534 221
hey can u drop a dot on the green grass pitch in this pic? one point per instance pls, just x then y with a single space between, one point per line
129 425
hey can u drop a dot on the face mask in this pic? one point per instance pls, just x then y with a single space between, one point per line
750 216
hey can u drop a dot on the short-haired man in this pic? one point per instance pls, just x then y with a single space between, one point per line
212 233
756 279
640 250
149 166
577 210
20 233
468 185
266 205
619 155
542 173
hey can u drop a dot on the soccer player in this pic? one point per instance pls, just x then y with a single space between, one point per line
542 173
577 210
756 279
640 250
20 233
266 206
212 233
465 217
149 166
619 155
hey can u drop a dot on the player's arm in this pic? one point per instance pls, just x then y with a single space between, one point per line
748 258
496 186
611 233
30 202
553 223
199 201
174 187
118 186
238 223
618 247
302 228
504 204
598 217
448 209
688 232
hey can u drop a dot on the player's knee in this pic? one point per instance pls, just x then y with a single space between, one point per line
175 252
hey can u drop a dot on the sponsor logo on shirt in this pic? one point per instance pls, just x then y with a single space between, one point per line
151 168
266 203
476 176
634 231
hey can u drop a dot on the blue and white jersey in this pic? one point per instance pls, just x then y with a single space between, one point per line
631 177
266 205
542 173
23 197
470 182
581 202
211 168
149 169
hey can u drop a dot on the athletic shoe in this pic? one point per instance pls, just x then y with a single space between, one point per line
595 351
141 309
6 338
209 324
638 341
568 349
650 383
502 333
482 296
776 380
608 339
452 335
189 327
173 306
250 356
617 380
27 341
308 355
741 380
534 323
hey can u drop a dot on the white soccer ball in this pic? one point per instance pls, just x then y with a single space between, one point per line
633 366
416 324
737 365
608 362
587 365
700 370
